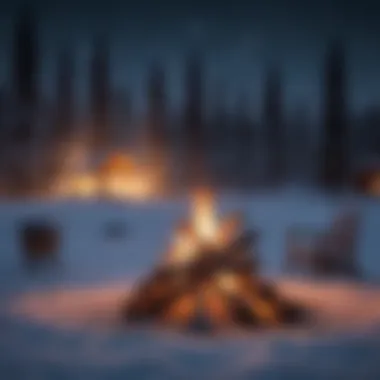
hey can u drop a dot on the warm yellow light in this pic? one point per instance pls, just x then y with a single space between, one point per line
203 229
85 186
227 281
184 247
204 218
375 186
126 187
119 176
118 164
134 187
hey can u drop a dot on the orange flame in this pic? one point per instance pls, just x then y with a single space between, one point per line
204 217
204 229
184 245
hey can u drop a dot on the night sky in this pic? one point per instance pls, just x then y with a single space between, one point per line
236 38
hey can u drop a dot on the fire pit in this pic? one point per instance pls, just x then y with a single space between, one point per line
208 279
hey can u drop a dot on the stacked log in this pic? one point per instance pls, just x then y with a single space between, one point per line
220 287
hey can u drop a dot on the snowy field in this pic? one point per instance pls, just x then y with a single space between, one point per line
61 322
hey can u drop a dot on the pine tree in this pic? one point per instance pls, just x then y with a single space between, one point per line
220 137
65 100
100 94
25 75
274 126
157 113
244 142
193 120
22 170
335 165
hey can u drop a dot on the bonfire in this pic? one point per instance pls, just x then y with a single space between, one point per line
208 278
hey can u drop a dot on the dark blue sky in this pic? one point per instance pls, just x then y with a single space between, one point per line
237 39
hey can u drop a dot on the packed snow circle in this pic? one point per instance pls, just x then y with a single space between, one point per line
63 321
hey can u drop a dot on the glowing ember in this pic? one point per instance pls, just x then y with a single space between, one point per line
227 281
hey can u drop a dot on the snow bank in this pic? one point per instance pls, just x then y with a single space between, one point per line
60 322
87 257
75 333
338 306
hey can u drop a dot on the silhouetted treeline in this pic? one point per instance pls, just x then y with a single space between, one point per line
274 126
244 148
157 112
65 97
25 95
335 154
100 94
228 146
193 123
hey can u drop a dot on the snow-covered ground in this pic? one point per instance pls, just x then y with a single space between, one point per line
61 322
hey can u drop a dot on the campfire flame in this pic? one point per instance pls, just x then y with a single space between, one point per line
204 217
209 278
201 230
204 229
205 232
184 246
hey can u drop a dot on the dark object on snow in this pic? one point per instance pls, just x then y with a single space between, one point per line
291 313
227 284
40 240
327 253
115 229
326 264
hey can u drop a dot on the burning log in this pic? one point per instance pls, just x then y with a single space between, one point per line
232 294
169 282
209 281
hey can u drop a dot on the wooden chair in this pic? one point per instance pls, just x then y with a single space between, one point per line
328 252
